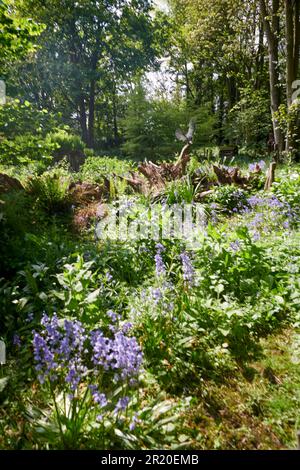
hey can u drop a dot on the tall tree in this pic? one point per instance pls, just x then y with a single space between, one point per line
272 29
84 38
292 22
17 34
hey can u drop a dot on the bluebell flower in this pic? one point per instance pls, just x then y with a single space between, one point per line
16 340
187 268
160 268
112 315
134 422
122 404
235 246
30 317
286 224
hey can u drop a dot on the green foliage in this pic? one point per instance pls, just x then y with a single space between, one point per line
17 33
200 314
50 191
96 168
288 121
150 125
288 188
189 333
230 199
249 120
26 149
180 191
23 134
66 142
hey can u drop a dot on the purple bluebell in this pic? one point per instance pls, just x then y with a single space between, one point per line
108 277
122 404
112 315
160 268
187 268
30 317
235 246
286 224
134 422
126 327
157 294
16 340
160 248
99 398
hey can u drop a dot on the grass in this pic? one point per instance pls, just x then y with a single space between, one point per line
257 408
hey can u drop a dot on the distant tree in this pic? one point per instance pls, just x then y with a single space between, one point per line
17 34
150 125
84 45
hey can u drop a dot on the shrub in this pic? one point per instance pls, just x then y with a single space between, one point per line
25 149
230 199
96 168
23 129
50 191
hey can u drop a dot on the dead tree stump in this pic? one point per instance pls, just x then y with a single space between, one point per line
270 176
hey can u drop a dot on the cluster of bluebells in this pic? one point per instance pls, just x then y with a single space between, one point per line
160 268
120 354
60 348
271 201
278 210
187 269
63 350
235 246
158 300
16 340
160 296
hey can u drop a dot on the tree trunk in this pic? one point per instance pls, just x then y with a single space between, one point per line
296 38
115 122
260 57
290 68
91 119
221 119
292 64
272 33
82 119
232 92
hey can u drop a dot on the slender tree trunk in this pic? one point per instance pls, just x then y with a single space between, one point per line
272 33
82 119
260 57
292 65
289 31
296 38
91 119
232 91
115 122
296 65
221 119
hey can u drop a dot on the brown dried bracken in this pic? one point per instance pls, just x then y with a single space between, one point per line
8 183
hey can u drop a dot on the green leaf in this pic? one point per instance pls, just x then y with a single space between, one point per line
92 296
